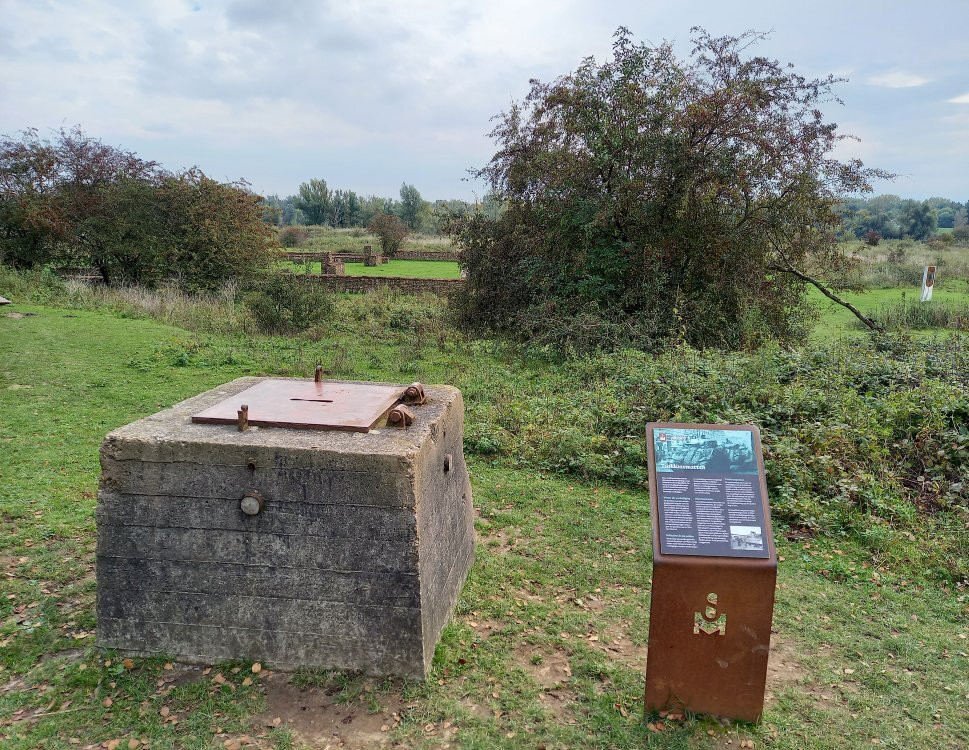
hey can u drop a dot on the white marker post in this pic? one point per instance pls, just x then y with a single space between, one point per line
928 281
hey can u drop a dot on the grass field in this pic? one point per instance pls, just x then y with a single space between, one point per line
838 321
547 649
421 269
353 241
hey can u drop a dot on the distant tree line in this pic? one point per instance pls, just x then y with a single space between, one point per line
72 200
317 203
891 217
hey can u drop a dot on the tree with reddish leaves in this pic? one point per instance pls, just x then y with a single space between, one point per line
30 222
50 189
76 200
651 198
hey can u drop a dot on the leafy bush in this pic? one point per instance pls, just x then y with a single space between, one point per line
78 201
218 233
868 440
961 234
650 199
293 236
391 232
872 238
39 285
281 304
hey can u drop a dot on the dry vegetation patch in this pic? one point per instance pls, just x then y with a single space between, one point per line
548 667
316 716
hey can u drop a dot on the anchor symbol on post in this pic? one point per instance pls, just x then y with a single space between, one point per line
708 621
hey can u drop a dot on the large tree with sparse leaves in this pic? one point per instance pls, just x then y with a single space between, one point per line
651 198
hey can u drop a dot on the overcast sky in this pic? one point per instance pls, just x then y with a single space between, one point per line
371 94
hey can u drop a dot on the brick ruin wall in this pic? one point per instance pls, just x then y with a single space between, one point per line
364 284
452 255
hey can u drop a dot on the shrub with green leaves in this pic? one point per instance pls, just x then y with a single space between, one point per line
390 230
293 236
280 304
74 200
862 439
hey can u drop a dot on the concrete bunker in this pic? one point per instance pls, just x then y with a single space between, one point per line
304 530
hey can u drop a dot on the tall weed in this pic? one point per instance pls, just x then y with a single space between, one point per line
911 315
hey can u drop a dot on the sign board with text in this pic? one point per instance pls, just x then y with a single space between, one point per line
714 570
709 493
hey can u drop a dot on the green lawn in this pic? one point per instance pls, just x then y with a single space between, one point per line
837 321
421 269
547 648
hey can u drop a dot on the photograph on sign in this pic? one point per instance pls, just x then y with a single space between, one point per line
746 537
709 496
679 449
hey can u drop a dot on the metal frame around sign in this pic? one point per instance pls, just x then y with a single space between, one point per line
654 482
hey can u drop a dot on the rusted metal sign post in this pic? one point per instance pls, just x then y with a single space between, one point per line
714 571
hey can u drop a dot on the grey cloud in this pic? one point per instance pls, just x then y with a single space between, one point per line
290 59
396 91
260 14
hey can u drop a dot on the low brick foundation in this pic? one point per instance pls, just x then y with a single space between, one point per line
451 255
364 284
301 258
314 256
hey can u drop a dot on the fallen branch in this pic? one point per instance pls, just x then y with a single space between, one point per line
874 326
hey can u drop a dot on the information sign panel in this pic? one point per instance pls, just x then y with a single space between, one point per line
714 571
708 490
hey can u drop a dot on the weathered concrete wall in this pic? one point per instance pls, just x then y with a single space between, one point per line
355 563
451 522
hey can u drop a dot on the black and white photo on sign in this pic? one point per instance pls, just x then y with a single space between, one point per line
746 537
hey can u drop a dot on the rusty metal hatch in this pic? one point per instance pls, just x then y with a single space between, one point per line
307 405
